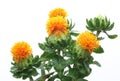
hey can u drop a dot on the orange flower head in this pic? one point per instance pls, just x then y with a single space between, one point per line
57 25
88 41
21 51
58 12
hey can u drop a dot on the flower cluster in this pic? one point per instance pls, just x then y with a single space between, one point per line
64 57
20 51
88 41
57 25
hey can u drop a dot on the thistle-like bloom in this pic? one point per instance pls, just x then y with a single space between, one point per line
20 51
58 12
88 41
57 25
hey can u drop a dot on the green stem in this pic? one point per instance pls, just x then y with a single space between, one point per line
58 51
42 71
106 33
31 79
69 66
60 74
98 33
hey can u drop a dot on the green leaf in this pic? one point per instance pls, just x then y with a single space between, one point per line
97 22
71 25
83 71
89 23
46 56
100 38
112 36
90 59
74 73
108 23
48 66
110 27
24 69
25 77
42 46
74 34
36 61
66 78
69 61
90 28
97 63
29 72
99 50
59 63
87 67
42 70
102 24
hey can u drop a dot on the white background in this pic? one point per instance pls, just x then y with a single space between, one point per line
25 20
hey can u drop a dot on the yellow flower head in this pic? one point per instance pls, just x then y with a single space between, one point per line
58 12
21 51
88 41
57 25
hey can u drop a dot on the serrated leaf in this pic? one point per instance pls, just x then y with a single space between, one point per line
99 50
112 36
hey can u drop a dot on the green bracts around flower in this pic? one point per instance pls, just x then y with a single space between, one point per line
27 68
100 24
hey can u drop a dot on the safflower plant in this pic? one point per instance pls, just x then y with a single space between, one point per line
67 54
